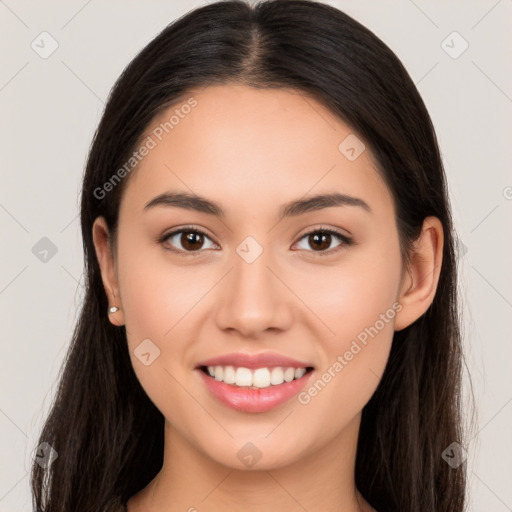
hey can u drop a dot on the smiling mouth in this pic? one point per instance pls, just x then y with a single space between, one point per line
255 378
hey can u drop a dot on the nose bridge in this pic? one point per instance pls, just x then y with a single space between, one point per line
251 272
252 298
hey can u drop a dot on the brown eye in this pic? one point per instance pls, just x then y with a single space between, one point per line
191 240
187 240
321 241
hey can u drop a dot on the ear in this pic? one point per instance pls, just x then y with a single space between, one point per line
104 253
419 286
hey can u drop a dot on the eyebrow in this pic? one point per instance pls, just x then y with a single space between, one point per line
297 207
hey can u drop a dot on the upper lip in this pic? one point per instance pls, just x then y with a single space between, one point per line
264 359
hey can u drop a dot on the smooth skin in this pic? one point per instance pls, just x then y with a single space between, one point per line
252 151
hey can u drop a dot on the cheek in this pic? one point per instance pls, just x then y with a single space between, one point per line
356 302
158 302
352 294
158 296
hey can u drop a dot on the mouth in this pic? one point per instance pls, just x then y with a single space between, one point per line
254 390
258 378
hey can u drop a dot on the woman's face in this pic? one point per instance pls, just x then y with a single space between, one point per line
257 283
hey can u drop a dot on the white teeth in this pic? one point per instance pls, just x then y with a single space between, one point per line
257 378
229 375
243 377
261 378
219 372
289 374
299 372
276 376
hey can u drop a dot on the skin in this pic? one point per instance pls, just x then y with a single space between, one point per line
253 150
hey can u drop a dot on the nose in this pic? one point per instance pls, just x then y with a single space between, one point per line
254 298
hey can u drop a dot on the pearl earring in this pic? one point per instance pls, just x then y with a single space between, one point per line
112 310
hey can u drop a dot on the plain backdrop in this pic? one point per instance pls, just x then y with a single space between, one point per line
52 103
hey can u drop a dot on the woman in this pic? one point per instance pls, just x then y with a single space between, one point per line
270 319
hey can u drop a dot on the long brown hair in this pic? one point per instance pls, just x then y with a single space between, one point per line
106 431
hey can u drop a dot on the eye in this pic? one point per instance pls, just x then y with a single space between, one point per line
190 239
321 240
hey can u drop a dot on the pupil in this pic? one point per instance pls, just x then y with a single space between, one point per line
189 240
322 239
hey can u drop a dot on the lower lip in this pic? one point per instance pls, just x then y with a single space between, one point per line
254 400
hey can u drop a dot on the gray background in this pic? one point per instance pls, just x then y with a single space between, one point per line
51 107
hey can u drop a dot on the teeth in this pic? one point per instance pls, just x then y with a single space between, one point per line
299 372
289 374
257 378
219 373
243 377
261 378
276 376
229 375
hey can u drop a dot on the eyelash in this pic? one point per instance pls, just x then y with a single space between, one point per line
346 241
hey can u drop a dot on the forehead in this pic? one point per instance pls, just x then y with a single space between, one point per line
238 143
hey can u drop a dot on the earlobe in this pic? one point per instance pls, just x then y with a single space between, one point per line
115 315
419 288
106 262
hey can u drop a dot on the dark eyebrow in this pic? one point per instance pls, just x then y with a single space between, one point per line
187 201
321 201
297 207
